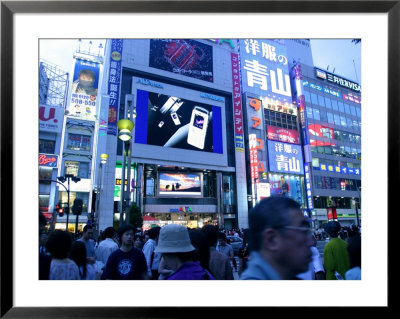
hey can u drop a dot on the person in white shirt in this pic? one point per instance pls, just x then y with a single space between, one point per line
316 269
106 246
152 258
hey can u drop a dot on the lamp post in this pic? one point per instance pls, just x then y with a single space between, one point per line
359 201
103 160
125 127
62 179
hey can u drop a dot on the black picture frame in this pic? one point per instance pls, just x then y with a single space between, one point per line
9 8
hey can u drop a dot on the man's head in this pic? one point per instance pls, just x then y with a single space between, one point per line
108 232
280 232
86 77
87 232
126 235
211 232
154 232
333 228
221 239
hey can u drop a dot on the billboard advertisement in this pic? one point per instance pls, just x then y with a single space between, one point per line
180 184
283 135
84 89
170 121
51 118
265 70
186 57
114 80
285 158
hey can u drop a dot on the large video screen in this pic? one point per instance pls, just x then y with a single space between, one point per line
187 57
171 121
179 184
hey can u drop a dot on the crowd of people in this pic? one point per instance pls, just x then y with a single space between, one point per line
278 245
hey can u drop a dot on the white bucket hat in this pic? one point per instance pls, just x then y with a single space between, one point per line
174 238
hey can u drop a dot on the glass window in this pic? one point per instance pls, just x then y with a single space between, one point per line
314 99
337 135
328 102
330 118
78 142
353 110
79 169
358 111
343 121
341 107
307 96
309 112
44 202
316 114
337 119
328 150
47 146
323 116
335 105
45 173
347 108
315 162
63 198
150 187
321 100
349 123
355 124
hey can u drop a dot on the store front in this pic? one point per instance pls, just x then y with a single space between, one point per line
187 219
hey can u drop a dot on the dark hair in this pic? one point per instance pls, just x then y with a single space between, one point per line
59 244
123 229
154 232
202 252
108 232
222 236
211 233
333 228
87 72
269 213
86 228
78 255
354 249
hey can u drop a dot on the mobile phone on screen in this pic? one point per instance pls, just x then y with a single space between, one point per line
198 127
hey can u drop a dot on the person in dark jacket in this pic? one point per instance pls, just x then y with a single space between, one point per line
178 254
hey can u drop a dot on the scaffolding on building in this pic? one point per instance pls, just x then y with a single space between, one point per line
53 84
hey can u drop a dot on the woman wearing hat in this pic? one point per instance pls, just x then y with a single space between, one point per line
178 254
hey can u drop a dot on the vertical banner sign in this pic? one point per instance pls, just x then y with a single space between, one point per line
308 186
301 103
253 157
114 81
237 104
84 89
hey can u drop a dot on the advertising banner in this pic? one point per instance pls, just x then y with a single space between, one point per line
186 57
283 135
285 158
237 104
114 80
51 118
179 184
84 89
170 121
285 185
307 176
265 68
47 160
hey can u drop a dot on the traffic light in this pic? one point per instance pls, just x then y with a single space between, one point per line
77 207
60 210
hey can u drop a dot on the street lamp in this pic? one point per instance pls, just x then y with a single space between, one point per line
103 161
125 127
62 179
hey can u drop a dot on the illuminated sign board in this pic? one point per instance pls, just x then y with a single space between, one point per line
180 184
114 80
171 121
183 56
285 158
265 68
338 80
283 135
48 160
308 185
237 104
51 118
